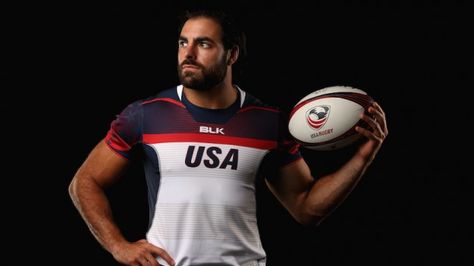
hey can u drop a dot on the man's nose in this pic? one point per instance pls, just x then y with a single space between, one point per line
190 51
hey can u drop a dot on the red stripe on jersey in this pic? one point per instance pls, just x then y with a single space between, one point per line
165 100
116 142
218 139
258 108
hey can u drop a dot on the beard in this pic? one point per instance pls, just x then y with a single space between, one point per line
207 79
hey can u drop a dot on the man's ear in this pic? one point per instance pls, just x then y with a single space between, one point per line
233 55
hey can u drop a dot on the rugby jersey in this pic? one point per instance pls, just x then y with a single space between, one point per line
201 167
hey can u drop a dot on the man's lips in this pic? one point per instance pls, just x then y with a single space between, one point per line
188 66
190 69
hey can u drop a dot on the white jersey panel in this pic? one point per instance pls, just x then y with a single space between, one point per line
206 208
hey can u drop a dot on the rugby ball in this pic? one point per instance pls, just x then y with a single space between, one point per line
325 119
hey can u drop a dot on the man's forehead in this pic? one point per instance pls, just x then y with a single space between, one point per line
201 27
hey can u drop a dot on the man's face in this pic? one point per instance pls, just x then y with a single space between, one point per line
202 59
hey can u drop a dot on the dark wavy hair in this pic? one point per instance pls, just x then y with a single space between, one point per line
232 33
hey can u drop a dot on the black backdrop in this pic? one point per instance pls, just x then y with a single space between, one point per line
71 69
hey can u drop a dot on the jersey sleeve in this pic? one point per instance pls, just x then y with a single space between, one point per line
126 130
288 149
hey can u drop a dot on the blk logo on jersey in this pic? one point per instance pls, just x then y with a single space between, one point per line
212 157
317 116
211 130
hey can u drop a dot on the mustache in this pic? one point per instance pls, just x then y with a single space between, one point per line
190 62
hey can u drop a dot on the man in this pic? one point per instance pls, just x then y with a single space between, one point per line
205 142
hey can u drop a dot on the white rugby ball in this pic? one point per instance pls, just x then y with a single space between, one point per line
325 119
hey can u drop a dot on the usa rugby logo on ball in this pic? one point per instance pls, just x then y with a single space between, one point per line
317 116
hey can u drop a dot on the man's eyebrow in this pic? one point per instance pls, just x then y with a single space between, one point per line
201 39
198 39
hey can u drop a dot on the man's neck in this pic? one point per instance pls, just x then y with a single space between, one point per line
219 97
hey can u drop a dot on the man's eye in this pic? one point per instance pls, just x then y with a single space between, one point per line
182 43
205 45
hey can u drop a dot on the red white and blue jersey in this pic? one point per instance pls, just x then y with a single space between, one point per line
201 167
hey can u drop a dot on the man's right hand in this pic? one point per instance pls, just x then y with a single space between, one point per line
140 253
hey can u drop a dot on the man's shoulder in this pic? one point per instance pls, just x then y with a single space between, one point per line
253 101
169 95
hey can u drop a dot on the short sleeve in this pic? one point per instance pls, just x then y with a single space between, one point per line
126 130
287 151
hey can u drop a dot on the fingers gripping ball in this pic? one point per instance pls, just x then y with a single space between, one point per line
326 119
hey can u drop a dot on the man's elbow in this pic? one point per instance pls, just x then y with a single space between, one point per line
310 219
72 189
76 188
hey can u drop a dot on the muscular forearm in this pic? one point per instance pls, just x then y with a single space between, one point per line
331 190
92 203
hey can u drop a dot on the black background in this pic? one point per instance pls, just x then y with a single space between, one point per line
70 69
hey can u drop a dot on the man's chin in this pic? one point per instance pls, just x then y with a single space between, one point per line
195 86
189 77
188 83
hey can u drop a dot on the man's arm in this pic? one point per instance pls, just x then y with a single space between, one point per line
309 201
101 168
